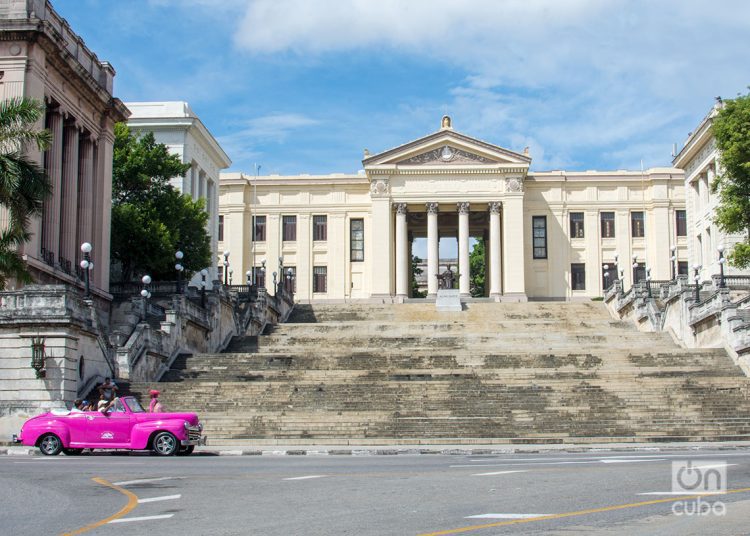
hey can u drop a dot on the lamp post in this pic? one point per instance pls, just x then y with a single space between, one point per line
249 277
231 271
606 277
274 283
648 282
290 280
697 279
617 264
722 260
635 266
145 294
204 273
179 267
226 266
87 265
673 258
262 272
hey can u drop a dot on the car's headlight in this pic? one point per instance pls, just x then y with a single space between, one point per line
187 425
200 427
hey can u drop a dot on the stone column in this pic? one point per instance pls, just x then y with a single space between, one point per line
494 247
85 194
464 267
432 249
51 222
402 251
69 200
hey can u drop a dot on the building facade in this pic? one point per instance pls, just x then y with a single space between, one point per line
701 161
51 346
549 235
175 125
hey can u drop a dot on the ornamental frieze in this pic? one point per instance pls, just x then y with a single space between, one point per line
446 155
513 185
379 187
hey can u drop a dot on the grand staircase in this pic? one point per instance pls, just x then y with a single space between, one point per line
496 372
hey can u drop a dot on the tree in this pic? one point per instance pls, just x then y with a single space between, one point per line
415 271
151 219
23 184
476 268
731 128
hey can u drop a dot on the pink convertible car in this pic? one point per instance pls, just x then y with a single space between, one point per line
125 426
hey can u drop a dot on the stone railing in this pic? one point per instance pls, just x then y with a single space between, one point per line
711 321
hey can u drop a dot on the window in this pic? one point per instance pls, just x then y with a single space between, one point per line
609 274
320 228
289 224
682 268
681 216
608 224
636 224
576 224
639 272
259 276
259 228
290 278
578 276
319 278
221 228
539 226
357 240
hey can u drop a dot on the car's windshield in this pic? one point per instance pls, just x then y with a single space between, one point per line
134 406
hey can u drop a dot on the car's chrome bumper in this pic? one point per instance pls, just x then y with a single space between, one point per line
16 439
199 441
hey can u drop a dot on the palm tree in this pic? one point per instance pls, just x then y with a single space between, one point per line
24 185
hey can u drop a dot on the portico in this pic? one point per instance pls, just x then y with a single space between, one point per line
448 184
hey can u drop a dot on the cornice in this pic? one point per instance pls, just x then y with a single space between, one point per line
446 170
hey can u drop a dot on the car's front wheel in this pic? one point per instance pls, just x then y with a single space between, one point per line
165 444
50 445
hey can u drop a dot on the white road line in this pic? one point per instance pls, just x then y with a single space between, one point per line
144 518
667 493
145 480
305 477
155 499
506 516
633 461
594 462
501 473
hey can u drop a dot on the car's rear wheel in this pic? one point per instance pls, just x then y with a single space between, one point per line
186 451
72 452
50 445
165 444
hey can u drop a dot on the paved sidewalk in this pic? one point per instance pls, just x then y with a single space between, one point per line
446 450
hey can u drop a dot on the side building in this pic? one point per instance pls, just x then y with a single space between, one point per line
50 344
549 235
701 161
175 125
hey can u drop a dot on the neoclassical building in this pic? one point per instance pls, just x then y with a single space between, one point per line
176 125
549 235
701 161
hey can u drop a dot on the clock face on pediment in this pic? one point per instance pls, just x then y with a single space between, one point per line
445 155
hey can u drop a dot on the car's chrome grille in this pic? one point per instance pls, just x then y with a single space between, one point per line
194 434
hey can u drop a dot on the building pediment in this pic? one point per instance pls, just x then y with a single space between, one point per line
447 148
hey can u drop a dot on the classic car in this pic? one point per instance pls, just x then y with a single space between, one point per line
126 425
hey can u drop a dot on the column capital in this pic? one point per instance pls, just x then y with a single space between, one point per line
495 207
463 207
432 208
400 208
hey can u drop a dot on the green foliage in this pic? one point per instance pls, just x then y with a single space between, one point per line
151 220
23 184
415 271
476 268
731 128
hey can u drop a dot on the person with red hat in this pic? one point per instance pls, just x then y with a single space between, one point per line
155 406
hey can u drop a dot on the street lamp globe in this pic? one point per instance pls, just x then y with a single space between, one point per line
144 293
204 272
86 247
720 248
84 264
146 280
178 255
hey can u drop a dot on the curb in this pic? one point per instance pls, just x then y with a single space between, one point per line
436 451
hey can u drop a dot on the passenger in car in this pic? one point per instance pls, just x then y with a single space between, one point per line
155 406
105 405
77 406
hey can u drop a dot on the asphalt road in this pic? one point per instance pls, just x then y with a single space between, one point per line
589 493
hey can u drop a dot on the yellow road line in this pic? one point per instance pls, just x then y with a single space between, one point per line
132 503
578 513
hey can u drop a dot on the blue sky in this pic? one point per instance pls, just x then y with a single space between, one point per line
303 86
